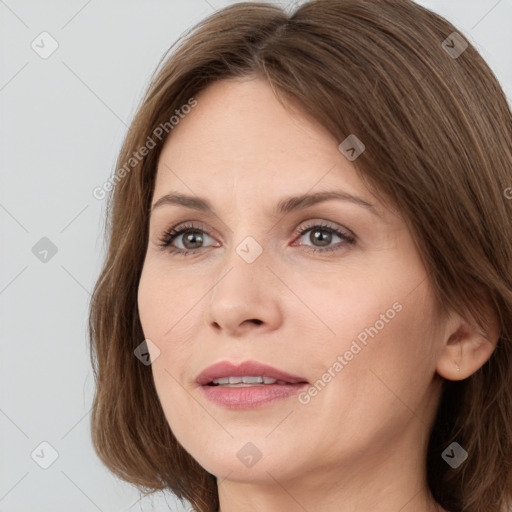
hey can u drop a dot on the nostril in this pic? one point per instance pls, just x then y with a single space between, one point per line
256 321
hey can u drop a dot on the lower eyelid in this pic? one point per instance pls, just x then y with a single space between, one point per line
347 239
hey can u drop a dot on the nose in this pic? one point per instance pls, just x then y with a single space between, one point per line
245 298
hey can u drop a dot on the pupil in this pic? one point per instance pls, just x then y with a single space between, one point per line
324 239
193 237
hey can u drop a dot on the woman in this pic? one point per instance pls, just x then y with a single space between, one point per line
307 298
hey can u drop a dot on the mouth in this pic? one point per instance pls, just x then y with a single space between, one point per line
249 381
248 385
249 373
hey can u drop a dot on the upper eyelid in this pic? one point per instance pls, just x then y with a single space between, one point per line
303 226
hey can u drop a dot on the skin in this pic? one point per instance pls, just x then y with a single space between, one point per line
360 443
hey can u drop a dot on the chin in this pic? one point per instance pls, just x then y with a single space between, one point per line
242 460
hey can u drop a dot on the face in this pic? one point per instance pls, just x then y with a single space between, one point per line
333 292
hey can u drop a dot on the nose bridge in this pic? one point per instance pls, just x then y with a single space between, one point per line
246 244
243 268
242 290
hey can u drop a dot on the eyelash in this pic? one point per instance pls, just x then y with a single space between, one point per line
169 236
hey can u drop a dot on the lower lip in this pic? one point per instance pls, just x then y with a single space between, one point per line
251 397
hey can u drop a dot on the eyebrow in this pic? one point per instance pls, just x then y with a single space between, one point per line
284 206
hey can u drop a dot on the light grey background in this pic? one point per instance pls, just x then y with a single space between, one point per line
63 119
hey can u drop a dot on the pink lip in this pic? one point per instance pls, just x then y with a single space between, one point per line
249 368
248 397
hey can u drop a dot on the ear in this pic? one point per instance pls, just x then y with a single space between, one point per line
466 348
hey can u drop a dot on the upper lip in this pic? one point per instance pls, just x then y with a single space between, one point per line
246 369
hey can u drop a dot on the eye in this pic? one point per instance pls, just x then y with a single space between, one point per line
191 242
192 238
322 234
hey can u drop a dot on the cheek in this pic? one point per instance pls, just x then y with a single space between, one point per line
163 299
156 313
377 337
147 299
168 319
157 302
346 308
383 357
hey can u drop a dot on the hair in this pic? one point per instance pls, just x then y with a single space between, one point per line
437 130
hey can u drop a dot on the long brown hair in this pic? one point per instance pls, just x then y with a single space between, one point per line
438 135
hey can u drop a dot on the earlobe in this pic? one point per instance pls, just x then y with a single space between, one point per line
466 349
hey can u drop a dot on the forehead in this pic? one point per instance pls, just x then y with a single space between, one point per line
239 136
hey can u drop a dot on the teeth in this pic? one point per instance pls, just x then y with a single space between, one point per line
246 380
249 380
